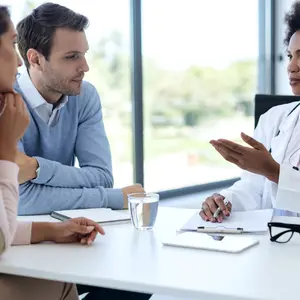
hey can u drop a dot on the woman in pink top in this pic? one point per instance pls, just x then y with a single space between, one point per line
13 123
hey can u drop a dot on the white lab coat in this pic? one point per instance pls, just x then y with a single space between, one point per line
254 191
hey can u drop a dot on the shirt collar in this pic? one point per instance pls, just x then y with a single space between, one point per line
33 97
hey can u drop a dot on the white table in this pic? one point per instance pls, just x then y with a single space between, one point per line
131 260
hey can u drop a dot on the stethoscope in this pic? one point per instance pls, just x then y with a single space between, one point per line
270 150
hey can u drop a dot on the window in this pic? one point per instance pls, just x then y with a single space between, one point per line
200 78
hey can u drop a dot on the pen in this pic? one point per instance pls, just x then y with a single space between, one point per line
59 216
216 214
219 230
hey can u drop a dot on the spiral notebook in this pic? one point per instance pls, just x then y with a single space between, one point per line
254 221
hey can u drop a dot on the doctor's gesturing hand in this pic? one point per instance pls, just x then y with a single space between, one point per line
256 159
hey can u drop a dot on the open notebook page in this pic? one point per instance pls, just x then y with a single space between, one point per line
100 215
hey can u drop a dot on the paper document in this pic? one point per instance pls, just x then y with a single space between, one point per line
287 197
248 221
100 215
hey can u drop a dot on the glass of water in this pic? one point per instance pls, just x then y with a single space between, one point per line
143 209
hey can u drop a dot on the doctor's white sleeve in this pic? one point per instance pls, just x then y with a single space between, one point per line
246 193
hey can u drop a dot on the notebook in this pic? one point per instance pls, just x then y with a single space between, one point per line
254 221
99 215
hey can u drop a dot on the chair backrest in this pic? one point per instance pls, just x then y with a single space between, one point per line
263 103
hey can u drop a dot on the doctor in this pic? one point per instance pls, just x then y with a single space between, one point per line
271 162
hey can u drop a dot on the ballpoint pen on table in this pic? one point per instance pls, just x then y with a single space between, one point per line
216 214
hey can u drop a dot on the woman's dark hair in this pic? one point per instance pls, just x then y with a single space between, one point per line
292 21
4 19
36 30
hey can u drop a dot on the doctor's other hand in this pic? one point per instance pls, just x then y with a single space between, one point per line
256 159
135 188
211 204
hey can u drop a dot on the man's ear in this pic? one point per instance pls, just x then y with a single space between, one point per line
34 58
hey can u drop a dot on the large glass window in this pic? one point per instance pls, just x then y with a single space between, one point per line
108 58
200 78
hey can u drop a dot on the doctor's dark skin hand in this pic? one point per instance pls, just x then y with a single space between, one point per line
211 204
255 159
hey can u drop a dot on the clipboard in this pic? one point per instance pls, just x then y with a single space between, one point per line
255 221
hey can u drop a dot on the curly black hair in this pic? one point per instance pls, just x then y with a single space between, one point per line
292 21
4 19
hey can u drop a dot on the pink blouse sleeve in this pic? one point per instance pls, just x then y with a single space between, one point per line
11 231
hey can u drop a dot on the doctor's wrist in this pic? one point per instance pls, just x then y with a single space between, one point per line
273 172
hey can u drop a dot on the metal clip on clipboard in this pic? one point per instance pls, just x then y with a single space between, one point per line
219 229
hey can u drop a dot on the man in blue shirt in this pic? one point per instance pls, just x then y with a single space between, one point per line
66 122
66 119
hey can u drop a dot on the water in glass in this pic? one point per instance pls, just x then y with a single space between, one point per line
143 210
